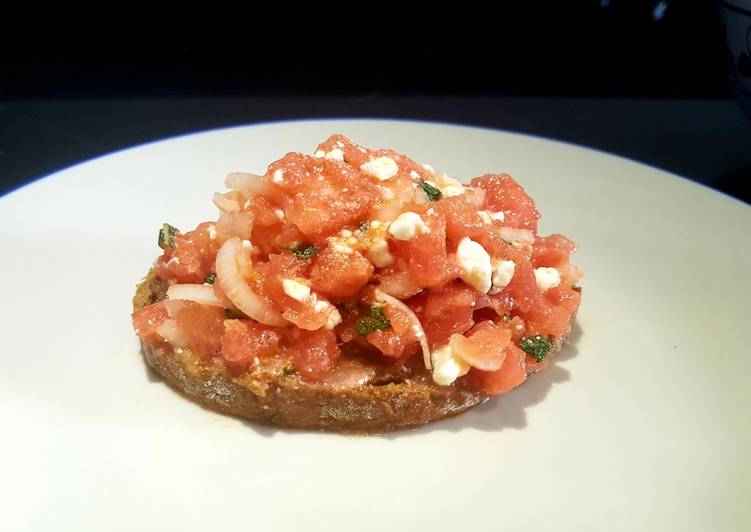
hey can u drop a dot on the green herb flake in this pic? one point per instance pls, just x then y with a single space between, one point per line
167 236
288 371
433 193
536 347
363 226
209 279
377 321
506 316
303 251
232 315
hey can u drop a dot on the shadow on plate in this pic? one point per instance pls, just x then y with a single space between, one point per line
507 411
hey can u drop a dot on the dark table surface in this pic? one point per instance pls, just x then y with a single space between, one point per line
708 141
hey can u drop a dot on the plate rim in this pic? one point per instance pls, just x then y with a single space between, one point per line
448 124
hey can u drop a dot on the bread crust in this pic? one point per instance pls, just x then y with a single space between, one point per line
288 401
291 402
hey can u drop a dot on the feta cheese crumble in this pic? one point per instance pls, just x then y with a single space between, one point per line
336 154
447 367
407 225
503 272
475 268
547 278
295 289
382 168
379 254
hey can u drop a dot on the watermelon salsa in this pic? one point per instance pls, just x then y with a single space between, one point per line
353 250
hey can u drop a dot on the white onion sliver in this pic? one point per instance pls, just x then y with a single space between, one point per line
517 236
239 224
237 290
416 325
399 285
172 334
388 213
200 293
349 374
252 184
173 307
224 204
480 195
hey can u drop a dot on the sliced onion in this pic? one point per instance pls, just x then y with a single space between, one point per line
173 307
570 274
399 285
250 184
523 237
237 290
239 224
170 331
388 213
225 204
349 374
414 321
200 293
480 192
222 297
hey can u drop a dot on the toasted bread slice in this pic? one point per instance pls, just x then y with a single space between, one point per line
391 398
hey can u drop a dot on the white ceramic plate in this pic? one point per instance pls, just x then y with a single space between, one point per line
643 423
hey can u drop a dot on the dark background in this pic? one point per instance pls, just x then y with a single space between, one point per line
632 48
618 75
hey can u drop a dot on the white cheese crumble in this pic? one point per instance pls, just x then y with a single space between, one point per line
452 190
296 289
301 292
474 265
278 177
428 169
382 168
407 225
490 217
379 254
547 278
319 305
279 213
320 154
386 192
212 232
414 175
336 154
341 248
334 319
503 272
447 367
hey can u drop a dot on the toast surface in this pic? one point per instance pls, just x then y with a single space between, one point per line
394 398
